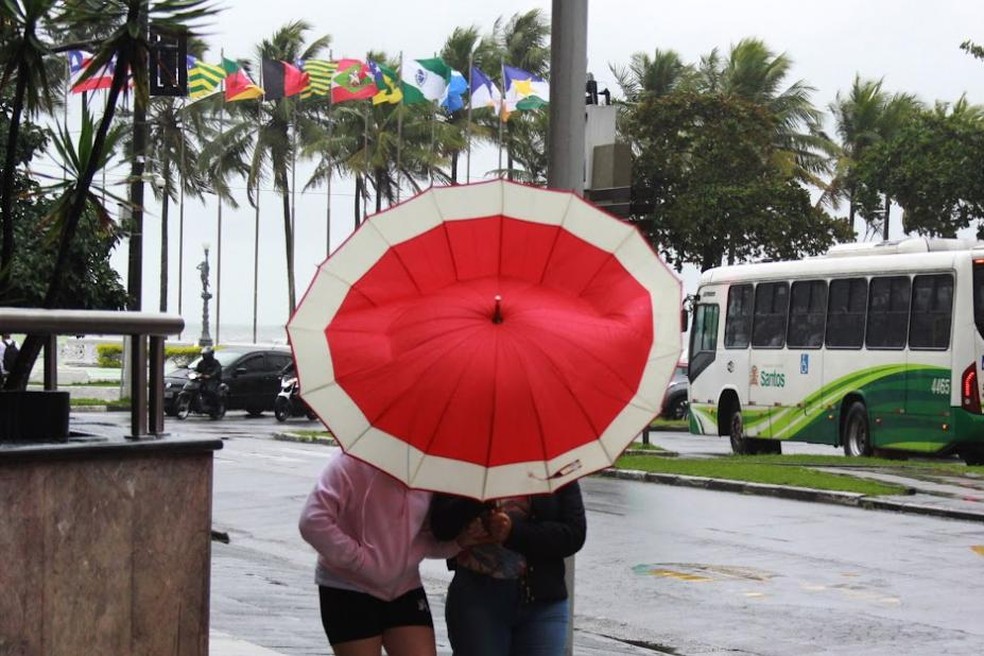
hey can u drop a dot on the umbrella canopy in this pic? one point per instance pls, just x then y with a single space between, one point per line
488 340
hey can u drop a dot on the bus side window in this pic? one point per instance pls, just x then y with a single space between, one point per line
888 312
932 311
738 321
846 312
769 321
807 314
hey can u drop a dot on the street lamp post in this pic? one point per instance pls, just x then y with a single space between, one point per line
205 339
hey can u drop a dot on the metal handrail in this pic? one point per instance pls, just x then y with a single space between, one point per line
142 327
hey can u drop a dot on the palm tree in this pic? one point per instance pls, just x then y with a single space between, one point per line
22 51
656 76
172 159
464 48
523 41
756 74
866 116
128 43
279 122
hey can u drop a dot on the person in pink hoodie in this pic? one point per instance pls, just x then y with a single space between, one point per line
371 532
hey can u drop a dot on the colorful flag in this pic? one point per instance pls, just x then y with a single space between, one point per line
425 80
524 90
238 86
352 81
78 64
203 79
484 93
281 79
458 85
320 72
387 84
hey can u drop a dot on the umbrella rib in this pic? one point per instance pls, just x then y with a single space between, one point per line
488 441
444 410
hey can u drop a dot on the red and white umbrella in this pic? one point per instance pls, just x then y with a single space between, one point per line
488 340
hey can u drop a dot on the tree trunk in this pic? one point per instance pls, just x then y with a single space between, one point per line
7 193
888 207
289 242
358 195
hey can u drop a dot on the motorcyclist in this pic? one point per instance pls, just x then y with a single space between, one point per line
210 371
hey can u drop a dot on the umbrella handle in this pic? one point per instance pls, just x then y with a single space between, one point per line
497 313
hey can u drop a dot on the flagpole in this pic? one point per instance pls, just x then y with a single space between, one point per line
502 107
218 245
293 191
399 127
331 130
256 256
468 123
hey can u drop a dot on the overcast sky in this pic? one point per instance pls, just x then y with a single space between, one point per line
913 45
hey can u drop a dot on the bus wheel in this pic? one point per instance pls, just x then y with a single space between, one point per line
740 444
857 436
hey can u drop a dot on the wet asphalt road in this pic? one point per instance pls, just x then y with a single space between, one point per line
665 569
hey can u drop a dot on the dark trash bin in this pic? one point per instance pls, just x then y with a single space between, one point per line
34 416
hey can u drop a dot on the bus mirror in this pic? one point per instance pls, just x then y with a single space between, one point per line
684 320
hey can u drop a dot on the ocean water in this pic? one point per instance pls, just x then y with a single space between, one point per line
233 334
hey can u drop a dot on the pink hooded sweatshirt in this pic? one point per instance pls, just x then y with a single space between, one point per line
370 530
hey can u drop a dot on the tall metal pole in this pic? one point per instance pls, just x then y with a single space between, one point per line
565 147
568 74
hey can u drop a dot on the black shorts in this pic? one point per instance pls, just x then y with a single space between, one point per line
348 615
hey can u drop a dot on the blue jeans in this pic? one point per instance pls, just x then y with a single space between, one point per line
487 617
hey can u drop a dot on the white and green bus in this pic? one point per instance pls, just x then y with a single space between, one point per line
871 347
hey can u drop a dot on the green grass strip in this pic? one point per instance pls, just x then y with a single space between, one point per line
734 469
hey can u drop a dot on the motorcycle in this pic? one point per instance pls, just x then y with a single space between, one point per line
288 402
192 399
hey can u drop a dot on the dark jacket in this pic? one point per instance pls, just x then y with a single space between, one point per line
555 529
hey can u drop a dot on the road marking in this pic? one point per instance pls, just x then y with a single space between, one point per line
699 572
978 549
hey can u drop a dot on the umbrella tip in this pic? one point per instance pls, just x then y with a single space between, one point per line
497 314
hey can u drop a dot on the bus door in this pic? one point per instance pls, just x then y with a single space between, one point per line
928 371
804 416
736 372
768 360
885 373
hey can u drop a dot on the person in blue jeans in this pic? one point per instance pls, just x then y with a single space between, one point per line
509 597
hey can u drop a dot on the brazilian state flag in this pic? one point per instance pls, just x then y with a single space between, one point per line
281 79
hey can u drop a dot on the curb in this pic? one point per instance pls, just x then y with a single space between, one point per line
852 499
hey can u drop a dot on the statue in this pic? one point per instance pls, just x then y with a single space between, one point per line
203 267
205 339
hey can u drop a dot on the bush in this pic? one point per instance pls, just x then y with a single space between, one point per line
111 355
181 356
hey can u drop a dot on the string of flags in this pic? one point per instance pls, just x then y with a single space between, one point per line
345 80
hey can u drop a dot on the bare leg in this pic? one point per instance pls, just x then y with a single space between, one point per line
366 647
409 641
